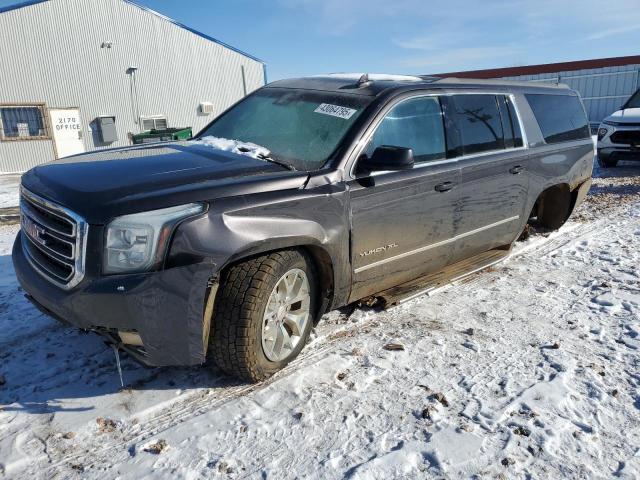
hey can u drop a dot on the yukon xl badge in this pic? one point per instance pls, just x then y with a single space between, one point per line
373 251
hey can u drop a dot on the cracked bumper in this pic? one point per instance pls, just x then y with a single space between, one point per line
166 308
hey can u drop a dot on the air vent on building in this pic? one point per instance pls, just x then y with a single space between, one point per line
206 108
153 123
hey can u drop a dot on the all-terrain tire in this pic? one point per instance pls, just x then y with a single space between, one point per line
236 330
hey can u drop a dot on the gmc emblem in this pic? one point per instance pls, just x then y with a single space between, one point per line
33 230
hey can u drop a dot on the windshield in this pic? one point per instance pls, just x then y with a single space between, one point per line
302 128
634 101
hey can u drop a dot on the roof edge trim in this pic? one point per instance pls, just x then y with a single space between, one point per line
17 6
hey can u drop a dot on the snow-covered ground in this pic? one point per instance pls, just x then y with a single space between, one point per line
527 370
9 188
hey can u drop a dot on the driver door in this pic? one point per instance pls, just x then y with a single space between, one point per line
402 222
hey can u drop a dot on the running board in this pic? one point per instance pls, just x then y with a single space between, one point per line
429 283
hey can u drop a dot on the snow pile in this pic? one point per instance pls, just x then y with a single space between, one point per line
235 146
527 370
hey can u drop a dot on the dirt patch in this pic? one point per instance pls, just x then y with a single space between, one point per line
106 425
156 448
611 188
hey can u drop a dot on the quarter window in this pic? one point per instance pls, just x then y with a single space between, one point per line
510 124
22 122
415 123
515 124
474 124
561 117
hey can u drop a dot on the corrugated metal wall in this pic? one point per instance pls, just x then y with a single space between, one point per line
53 53
603 90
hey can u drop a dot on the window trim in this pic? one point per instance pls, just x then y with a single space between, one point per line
366 138
45 122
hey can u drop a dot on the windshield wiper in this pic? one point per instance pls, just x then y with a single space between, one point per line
269 158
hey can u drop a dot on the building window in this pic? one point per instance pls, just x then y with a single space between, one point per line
22 122
153 123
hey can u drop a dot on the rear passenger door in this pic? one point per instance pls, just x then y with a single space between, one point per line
484 133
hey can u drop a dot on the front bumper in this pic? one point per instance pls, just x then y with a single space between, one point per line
618 152
166 308
612 147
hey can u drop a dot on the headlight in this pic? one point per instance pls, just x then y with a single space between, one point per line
136 243
602 132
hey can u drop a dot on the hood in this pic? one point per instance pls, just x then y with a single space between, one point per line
107 183
628 115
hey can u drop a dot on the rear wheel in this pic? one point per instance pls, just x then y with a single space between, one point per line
554 207
264 314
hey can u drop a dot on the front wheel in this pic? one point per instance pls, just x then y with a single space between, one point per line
264 314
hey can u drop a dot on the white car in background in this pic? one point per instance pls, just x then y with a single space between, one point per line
619 134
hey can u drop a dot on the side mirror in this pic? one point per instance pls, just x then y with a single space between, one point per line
387 158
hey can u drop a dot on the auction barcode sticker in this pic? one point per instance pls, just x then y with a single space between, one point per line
335 110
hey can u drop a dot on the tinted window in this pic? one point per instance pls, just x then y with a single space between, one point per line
299 127
510 123
477 123
515 124
561 117
415 124
634 101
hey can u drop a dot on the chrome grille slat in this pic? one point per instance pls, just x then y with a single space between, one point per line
47 207
42 265
27 209
50 252
54 240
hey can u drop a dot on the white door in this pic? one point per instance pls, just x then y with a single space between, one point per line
67 131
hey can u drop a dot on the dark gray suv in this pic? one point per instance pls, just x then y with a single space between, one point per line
305 196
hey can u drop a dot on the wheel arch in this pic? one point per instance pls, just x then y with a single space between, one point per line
322 261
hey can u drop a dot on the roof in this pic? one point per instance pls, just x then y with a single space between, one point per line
348 84
545 68
164 17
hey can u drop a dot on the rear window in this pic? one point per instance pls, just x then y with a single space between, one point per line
561 117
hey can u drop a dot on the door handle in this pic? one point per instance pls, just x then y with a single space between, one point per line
516 170
444 187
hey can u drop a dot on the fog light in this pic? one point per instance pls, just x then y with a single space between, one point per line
602 132
130 338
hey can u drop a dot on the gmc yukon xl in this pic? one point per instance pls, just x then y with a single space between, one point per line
305 196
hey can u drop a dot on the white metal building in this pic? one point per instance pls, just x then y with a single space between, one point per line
604 84
77 75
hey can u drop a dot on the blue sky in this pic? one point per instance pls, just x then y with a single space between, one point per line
306 37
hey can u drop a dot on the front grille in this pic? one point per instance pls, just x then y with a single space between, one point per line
627 137
53 239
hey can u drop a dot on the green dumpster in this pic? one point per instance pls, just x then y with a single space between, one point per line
165 135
